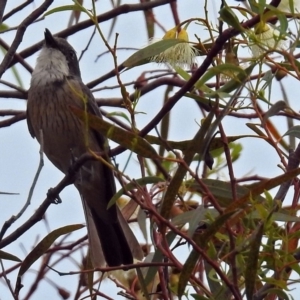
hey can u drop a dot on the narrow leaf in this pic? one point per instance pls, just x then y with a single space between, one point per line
294 131
143 284
220 69
280 294
201 240
44 245
170 195
8 256
125 138
216 143
261 187
158 257
235 82
229 17
274 110
252 263
221 190
133 185
64 8
186 272
199 297
150 51
150 22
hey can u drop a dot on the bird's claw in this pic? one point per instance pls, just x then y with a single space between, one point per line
53 197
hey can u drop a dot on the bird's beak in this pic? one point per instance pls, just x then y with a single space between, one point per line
49 39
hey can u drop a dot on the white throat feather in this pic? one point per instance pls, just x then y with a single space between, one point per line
51 66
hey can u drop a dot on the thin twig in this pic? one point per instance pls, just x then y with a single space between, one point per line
12 219
7 281
19 35
16 9
2 8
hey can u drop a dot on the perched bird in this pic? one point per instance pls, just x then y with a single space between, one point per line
56 85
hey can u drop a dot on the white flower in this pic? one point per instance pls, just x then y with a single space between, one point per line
284 6
180 55
265 38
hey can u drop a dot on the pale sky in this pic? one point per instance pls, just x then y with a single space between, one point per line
19 153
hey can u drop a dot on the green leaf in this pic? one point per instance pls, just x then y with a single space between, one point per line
198 297
252 263
64 8
283 27
186 272
133 185
235 82
125 138
215 284
120 114
229 17
201 240
240 76
143 284
280 293
216 143
274 110
254 6
44 245
203 100
261 6
198 215
144 55
186 217
157 258
90 276
220 69
150 22
185 75
17 76
8 256
277 216
142 222
294 131
3 27
14 70
260 188
221 190
192 217
176 181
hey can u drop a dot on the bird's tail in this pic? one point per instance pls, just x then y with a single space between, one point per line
113 244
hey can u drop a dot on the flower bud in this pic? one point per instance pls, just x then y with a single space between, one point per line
170 34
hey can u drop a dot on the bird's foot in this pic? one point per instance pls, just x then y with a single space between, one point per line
53 197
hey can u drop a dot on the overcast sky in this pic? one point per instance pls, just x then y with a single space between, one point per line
19 153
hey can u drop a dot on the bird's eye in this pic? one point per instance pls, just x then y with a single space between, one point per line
72 54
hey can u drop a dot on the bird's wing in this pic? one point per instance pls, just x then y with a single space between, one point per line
92 108
30 128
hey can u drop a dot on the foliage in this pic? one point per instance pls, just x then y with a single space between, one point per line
207 232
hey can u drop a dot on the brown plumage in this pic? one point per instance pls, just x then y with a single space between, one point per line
56 84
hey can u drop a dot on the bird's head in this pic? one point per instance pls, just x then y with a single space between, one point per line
57 57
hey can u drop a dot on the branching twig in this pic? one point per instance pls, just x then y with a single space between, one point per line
9 222
51 198
122 9
19 35
2 8
7 280
16 9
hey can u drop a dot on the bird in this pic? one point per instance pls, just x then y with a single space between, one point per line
56 85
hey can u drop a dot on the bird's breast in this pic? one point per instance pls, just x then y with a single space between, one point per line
62 134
